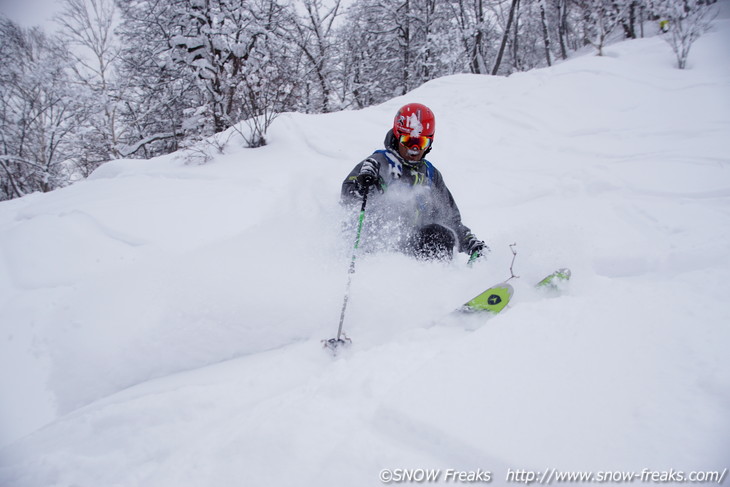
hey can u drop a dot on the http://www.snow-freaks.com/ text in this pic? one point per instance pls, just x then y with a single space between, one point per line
549 476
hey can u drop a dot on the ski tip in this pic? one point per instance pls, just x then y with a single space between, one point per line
554 280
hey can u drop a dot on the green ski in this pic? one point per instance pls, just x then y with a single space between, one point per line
497 297
493 300
554 280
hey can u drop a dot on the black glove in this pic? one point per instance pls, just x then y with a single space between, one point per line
474 247
368 175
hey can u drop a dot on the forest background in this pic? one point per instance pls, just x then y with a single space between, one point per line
141 78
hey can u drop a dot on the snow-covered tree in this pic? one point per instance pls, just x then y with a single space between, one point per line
631 18
210 43
205 65
529 41
600 19
41 113
562 8
314 36
393 46
477 32
87 26
157 91
235 48
545 31
688 20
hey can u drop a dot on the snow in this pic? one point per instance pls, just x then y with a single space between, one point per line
160 322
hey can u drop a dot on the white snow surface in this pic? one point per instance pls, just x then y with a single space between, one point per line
160 322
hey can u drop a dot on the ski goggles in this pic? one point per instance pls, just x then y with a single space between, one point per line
421 142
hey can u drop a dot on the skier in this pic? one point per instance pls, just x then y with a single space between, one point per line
409 207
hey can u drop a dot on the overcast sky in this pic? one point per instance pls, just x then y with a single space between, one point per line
29 13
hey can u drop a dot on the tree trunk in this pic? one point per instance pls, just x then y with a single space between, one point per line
545 34
406 47
563 27
505 36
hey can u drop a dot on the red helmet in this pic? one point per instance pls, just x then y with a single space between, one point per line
414 119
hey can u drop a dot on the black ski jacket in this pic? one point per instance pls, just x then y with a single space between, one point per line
409 195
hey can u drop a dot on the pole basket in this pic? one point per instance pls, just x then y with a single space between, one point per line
337 344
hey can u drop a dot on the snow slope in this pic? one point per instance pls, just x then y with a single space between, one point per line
160 321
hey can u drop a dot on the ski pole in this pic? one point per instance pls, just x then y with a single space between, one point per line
336 341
